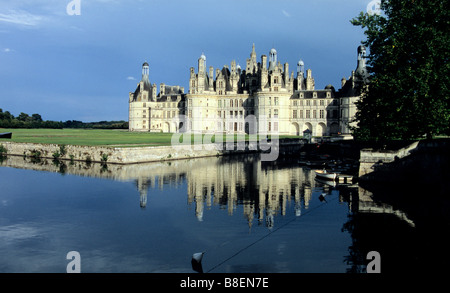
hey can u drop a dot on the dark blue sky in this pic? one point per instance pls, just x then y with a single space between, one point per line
82 67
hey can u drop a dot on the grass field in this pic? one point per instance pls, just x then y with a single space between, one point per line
91 137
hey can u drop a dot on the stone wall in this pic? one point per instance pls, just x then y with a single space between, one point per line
124 155
423 163
371 159
131 155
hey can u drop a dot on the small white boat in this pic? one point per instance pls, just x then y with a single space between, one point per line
325 175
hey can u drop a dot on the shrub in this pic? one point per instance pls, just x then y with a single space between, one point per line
3 150
35 154
62 150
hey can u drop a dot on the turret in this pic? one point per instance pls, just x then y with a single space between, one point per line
300 68
272 59
145 71
361 70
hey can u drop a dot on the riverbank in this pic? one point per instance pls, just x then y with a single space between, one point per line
144 154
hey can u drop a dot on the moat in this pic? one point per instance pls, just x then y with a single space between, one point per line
248 216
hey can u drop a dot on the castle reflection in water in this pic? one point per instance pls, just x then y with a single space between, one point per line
263 189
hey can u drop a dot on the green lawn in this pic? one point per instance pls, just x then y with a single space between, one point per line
91 137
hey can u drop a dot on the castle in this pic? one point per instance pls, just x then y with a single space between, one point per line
262 98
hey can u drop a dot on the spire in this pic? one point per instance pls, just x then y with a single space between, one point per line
253 55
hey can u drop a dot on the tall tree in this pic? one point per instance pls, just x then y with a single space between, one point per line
408 95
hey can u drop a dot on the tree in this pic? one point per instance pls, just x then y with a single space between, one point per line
23 117
408 96
36 118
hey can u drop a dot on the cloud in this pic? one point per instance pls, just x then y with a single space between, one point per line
21 17
7 50
131 78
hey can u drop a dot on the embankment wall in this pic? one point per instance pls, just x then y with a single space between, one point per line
132 155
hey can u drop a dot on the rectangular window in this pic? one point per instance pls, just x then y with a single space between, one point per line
301 113
275 126
294 114
275 113
322 102
308 103
308 114
275 101
314 114
322 114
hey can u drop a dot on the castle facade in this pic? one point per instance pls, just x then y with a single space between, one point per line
264 98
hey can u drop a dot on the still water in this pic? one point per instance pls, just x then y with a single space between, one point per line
246 215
